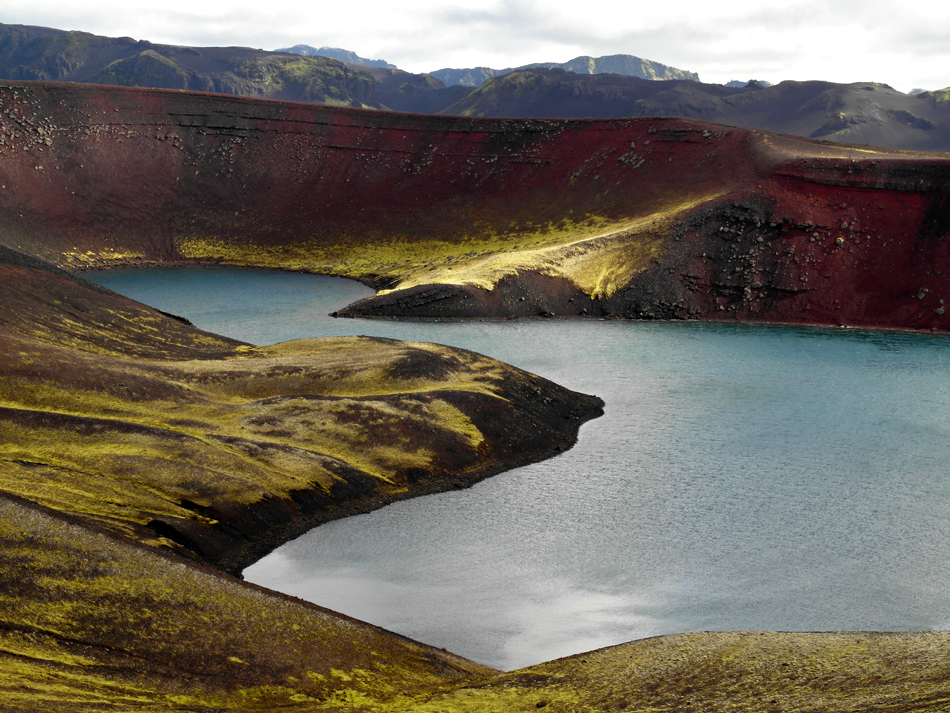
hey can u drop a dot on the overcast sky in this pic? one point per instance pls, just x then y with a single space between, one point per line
901 44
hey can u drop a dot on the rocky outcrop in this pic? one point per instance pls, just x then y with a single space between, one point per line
336 53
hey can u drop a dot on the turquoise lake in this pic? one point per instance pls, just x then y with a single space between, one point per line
742 478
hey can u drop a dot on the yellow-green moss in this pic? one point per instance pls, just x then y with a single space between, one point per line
92 620
124 441
598 255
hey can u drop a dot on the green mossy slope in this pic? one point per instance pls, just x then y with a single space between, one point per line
220 450
91 622
135 450
45 54
751 672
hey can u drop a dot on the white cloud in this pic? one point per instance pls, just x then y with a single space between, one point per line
845 41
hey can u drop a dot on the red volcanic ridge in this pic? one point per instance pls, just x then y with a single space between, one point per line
646 218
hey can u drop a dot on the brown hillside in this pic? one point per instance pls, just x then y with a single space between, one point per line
640 218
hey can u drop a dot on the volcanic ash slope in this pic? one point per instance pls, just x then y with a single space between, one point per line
647 218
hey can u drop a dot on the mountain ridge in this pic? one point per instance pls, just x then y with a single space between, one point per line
336 53
624 64
861 113
46 54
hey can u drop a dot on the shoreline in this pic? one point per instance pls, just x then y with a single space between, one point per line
104 266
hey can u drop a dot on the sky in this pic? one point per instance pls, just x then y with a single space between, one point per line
901 44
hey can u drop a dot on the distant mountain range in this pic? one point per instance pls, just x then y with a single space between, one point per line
624 64
336 53
44 54
861 113
864 113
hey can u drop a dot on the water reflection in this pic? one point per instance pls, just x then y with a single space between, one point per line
519 614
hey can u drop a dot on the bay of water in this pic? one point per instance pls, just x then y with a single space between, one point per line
742 478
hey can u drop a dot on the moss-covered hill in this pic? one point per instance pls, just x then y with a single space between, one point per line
137 450
177 438
93 622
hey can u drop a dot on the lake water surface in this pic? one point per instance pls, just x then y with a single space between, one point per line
742 478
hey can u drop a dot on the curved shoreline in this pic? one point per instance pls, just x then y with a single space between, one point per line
345 314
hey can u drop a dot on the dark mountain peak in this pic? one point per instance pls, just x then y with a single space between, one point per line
751 83
35 53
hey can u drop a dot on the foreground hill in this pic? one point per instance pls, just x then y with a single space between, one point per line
92 622
142 459
137 450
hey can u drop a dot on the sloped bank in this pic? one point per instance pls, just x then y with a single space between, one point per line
455 217
222 450
137 450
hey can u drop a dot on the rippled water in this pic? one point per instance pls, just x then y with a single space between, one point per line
742 478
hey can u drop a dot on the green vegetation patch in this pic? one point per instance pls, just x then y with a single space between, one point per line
152 429
89 622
